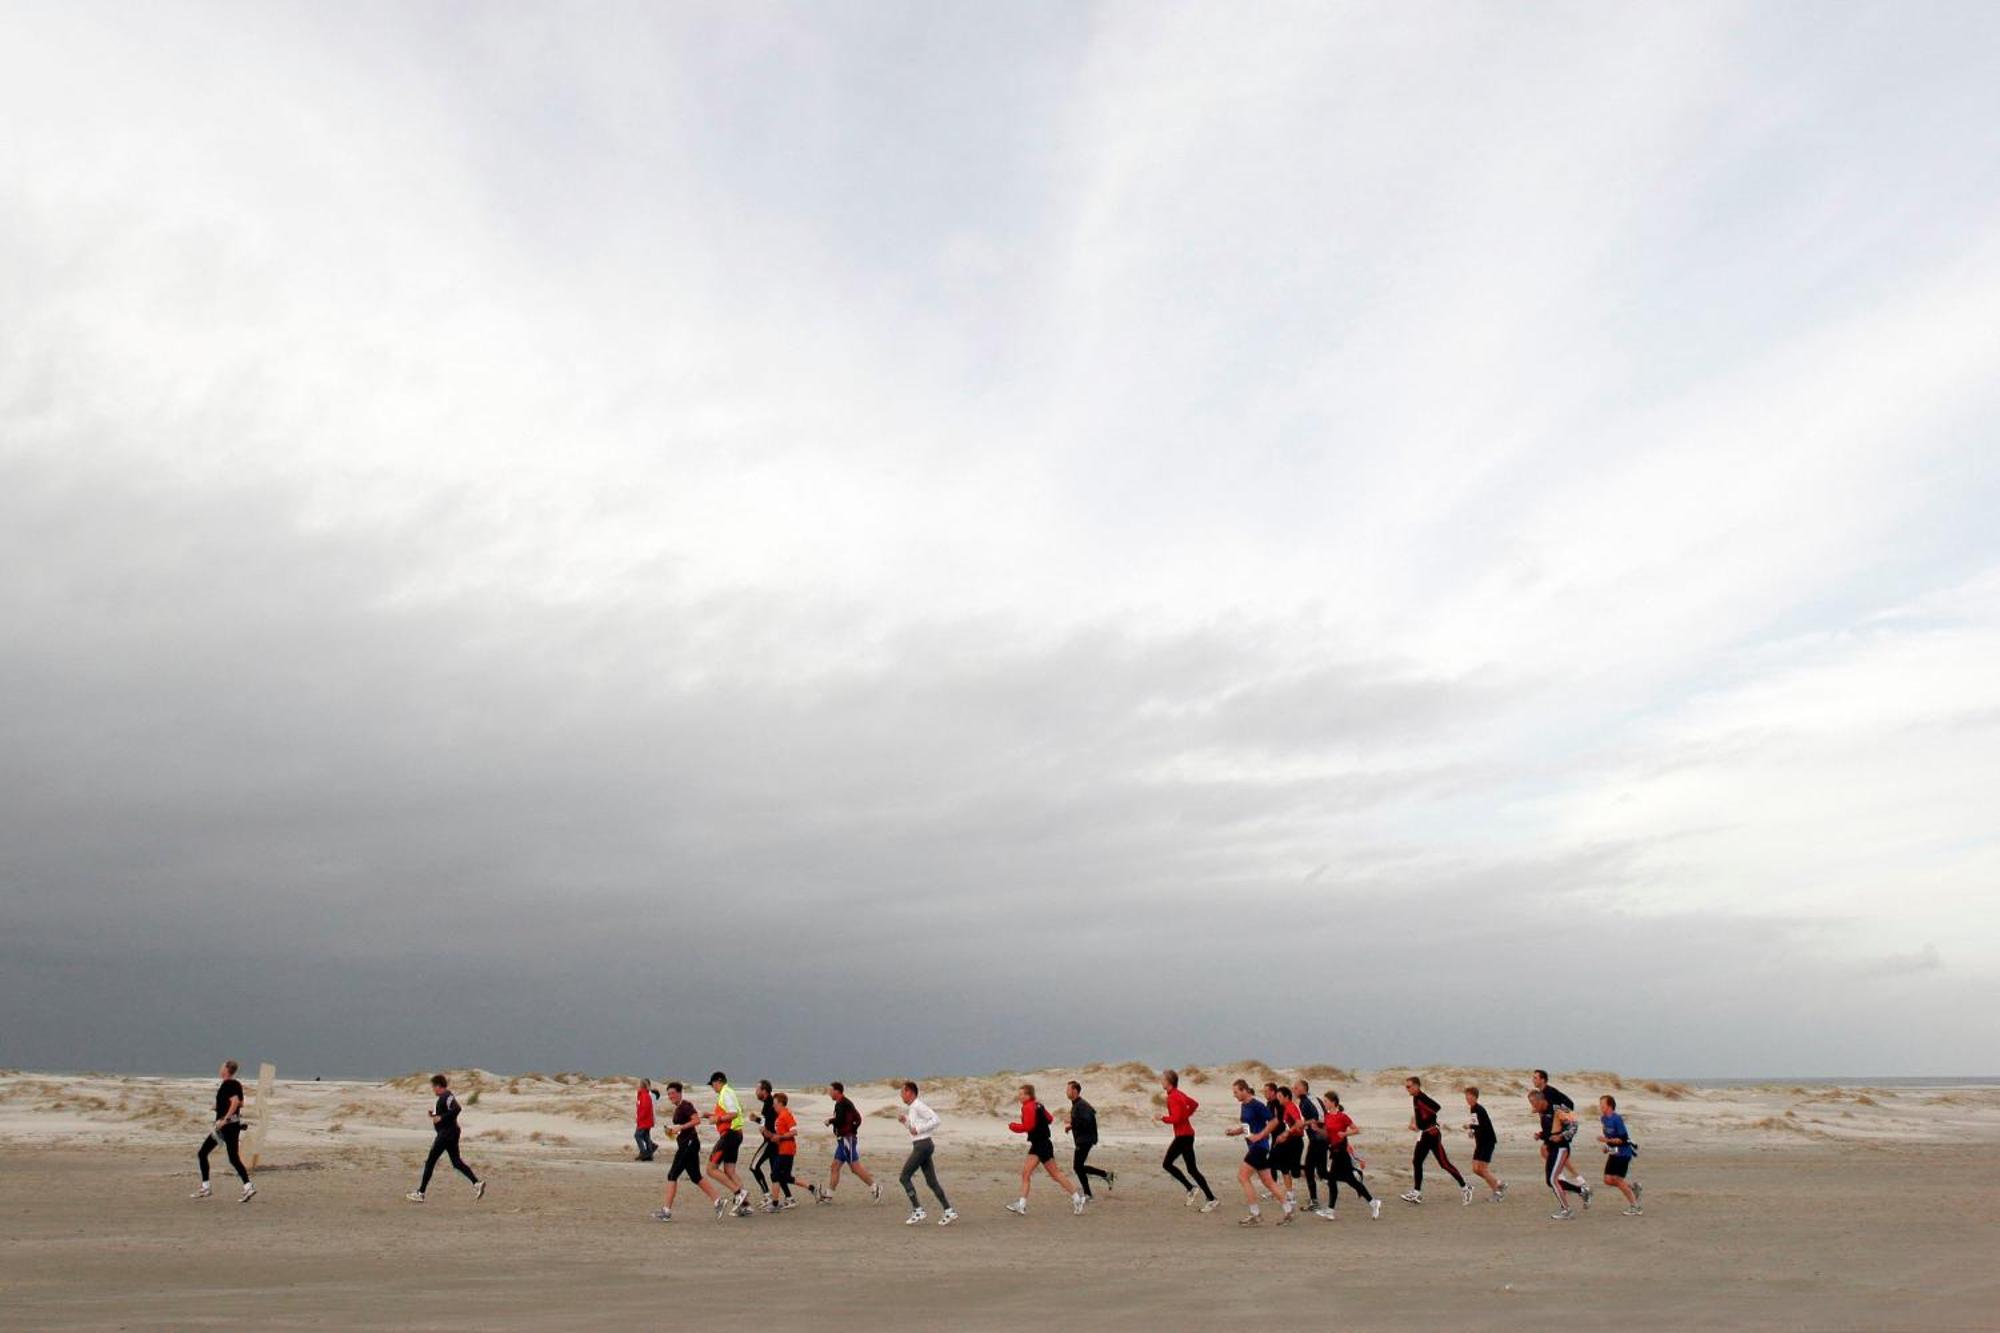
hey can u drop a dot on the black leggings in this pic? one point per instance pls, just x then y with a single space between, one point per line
1316 1160
1183 1149
1079 1162
764 1154
1432 1145
229 1134
444 1146
1342 1172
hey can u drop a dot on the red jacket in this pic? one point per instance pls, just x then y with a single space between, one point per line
1180 1112
645 1109
1029 1117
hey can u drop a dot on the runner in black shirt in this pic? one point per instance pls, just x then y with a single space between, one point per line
767 1151
1484 1140
1319 1157
1081 1126
1430 1142
1560 1100
686 1123
444 1117
228 1128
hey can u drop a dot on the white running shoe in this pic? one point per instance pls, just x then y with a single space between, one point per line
478 1189
1110 1181
1193 1198
415 1196
915 1218
1466 1190
662 1215
769 1206
1077 1202
1634 1211
203 1193
721 1203
789 1203
1500 1193
1375 1209
1285 1218
875 1192
1326 1214
1413 1196
1563 1215
1018 1208
950 1216
1586 1195
1638 1192
740 1210
742 1198
1211 1205
1249 1220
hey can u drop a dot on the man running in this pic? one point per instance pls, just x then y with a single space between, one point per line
1430 1142
444 1143
1038 1125
686 1122
729 1122
1617 1141
767 1148
1257 1129
1557 1133
1081 1126
1313 1116
1484 1141
226 1130
1288 1146
1340 1132
643 1135
785 1137
1560 1100
846 1123
1179 1120
922 1122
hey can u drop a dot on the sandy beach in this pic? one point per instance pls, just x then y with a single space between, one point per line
1776 1206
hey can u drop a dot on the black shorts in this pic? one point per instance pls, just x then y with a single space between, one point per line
1041 1152
1288 1158
727 1147
1617 1166
781 1168
687 1161
1482 1149
1259 1157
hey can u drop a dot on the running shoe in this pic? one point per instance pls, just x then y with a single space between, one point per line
1501 1193
1211 1205
1326 1214
1018 1208
1375 1209
478 1189
769 1206
789 1203
203 1193
1586 1195
415 1196
721 1202
812 1190
662 1215
740 1210
1638 1192
1110 1180
1193 1198
914 1218
249 1193
1562 1215
1413 1196
1077 1202
1285 1218
1466 1190
1634 1211
950 1216
1249 1220
875 1192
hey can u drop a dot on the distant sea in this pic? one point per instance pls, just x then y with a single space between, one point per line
1927 1081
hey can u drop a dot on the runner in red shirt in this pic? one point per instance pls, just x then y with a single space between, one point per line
1180 1120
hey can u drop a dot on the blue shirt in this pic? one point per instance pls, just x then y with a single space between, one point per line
1614 1128
1257 1115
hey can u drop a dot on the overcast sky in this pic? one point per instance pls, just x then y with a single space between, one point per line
869 538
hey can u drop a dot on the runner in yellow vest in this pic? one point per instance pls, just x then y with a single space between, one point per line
729 1139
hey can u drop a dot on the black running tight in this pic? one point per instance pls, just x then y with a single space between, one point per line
1183 1150
228 1136
445 1146
1342 1172
1432 1145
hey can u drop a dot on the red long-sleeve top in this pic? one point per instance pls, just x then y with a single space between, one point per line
1180 1112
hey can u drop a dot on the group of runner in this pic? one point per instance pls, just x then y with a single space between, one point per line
1288 1134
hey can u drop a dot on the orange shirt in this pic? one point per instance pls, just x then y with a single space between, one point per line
787 1124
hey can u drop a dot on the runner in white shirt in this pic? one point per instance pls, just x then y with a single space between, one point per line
922 1122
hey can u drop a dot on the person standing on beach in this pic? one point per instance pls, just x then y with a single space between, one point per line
1257 1128
1179 1121
227 1129
1430 1142
767 1148
686 1123
1539 1081
1340 1132
1558 1132
643 1135
846 1123
1313 1116
729 1122
1038 1125
922 1122
444 1142
1484 1141
1617 1141
1081 1126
